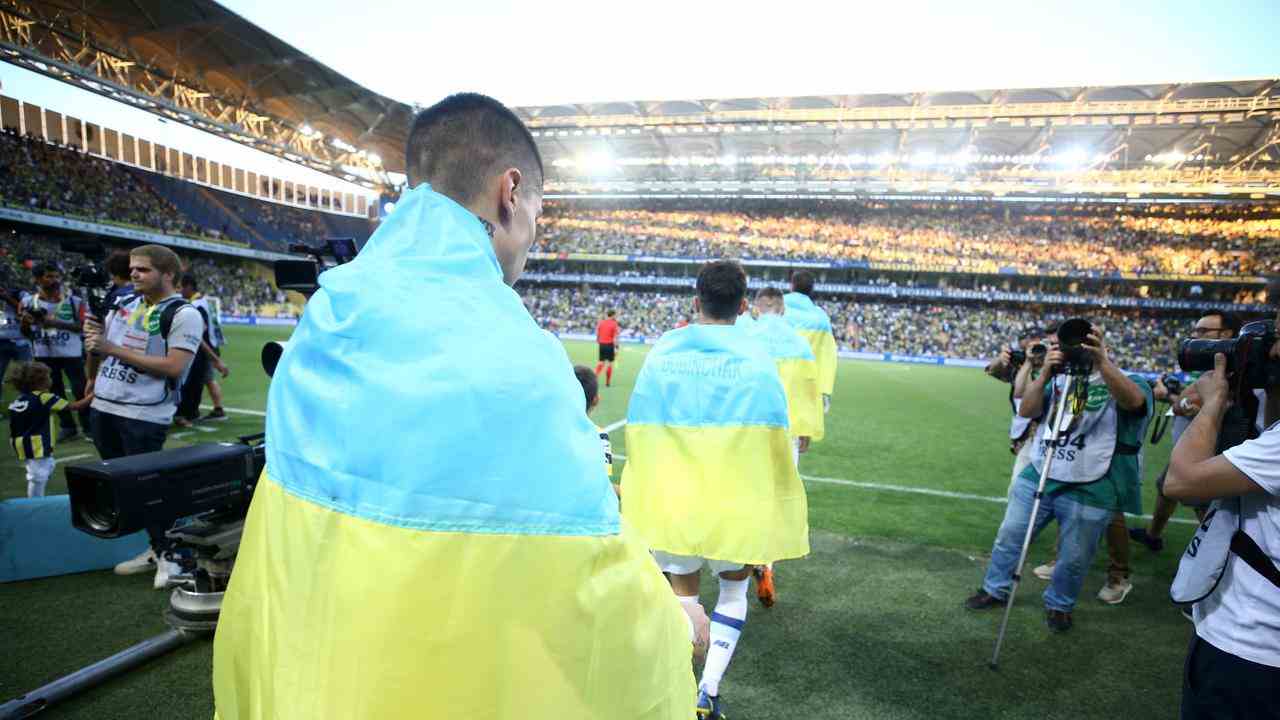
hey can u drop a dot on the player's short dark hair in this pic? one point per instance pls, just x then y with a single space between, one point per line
29 376
44 268
463 140
590 384
769 293
1230 320
118 263
721 286
802 282
189 279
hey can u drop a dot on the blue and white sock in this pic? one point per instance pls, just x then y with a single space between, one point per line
726 626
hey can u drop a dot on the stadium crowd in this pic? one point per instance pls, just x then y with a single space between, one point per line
1139 342
962 238
44 177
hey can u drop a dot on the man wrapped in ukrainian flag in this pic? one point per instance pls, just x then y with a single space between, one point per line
814 325
434 535
710 478
799 373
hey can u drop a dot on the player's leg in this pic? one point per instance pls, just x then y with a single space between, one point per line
727 621
38 472
608 373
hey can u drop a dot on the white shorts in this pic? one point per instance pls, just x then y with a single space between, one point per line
688 565
39 470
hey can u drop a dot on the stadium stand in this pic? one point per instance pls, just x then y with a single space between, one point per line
974 237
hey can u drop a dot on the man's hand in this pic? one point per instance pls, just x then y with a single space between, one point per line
701 628
222 368
804 443
1159 390
1000 364
1212 387
97 344
91 327
1055 360
1097 349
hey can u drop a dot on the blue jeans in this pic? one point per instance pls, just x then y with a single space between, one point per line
1080 527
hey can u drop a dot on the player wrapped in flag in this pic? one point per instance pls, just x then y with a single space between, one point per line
813 325
442 541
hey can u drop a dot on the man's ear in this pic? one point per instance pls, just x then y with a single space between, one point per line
697 307
742 306
509 189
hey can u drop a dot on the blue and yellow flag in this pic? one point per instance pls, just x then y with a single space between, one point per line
434 535
813 324
709 469
799 372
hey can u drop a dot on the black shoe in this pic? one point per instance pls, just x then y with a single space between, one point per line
217 414
1058 621
1154 544
984 601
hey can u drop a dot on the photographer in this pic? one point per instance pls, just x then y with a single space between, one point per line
140 354
464 488
1233 664
14 345
52 318
117 266
1095 473
1184 406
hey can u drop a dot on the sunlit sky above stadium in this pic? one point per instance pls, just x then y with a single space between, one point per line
571 51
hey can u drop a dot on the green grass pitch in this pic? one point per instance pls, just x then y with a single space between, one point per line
868 626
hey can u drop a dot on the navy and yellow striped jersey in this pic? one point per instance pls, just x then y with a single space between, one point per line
31 424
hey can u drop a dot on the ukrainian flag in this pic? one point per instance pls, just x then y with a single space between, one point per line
813 324
799 372
435 536
709 470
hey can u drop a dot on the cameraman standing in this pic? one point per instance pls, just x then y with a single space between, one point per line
1233 664
1095 473
1213 326
53 318
141 353
14 345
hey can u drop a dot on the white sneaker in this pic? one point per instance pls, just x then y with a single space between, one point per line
1045 571
143 563
165 569
1114 593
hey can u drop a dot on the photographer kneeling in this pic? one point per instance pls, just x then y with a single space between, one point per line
1233 665
1095 472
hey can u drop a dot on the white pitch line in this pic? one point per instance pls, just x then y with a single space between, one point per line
614 426
924 491
70 458
240 411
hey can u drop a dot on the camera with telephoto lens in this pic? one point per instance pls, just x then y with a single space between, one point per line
1172 384
1071 336
1249 362
92 282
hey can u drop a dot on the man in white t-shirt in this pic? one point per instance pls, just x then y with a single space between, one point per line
1233 666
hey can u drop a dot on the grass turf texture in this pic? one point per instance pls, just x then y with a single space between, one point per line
868 626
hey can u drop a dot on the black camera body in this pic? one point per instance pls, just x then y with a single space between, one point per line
113 498
1071 337
1172 384
1249 365
95 285
304 275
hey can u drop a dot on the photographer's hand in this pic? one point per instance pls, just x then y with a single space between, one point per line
999 364
1128 395
1032 405
1195 473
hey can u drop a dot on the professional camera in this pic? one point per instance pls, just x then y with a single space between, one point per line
1172 383
1071 337
1249 365
1018 356
304 275
91 281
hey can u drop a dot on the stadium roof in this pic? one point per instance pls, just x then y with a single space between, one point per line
1180 139
196 62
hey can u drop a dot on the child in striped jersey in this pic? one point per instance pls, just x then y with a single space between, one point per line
31 421
591 389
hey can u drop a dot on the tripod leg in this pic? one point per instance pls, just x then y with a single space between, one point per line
1031 525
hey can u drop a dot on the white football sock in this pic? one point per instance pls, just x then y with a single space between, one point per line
36 489
726 626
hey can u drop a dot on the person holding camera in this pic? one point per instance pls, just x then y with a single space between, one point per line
53 319
140 354
1216 325
15 347
1095 472
1233 664
476 491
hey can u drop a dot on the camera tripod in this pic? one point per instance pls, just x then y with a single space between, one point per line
191 614
1056 429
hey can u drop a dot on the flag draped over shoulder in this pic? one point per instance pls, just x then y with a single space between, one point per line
434 535
709 468
813 324
799 372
